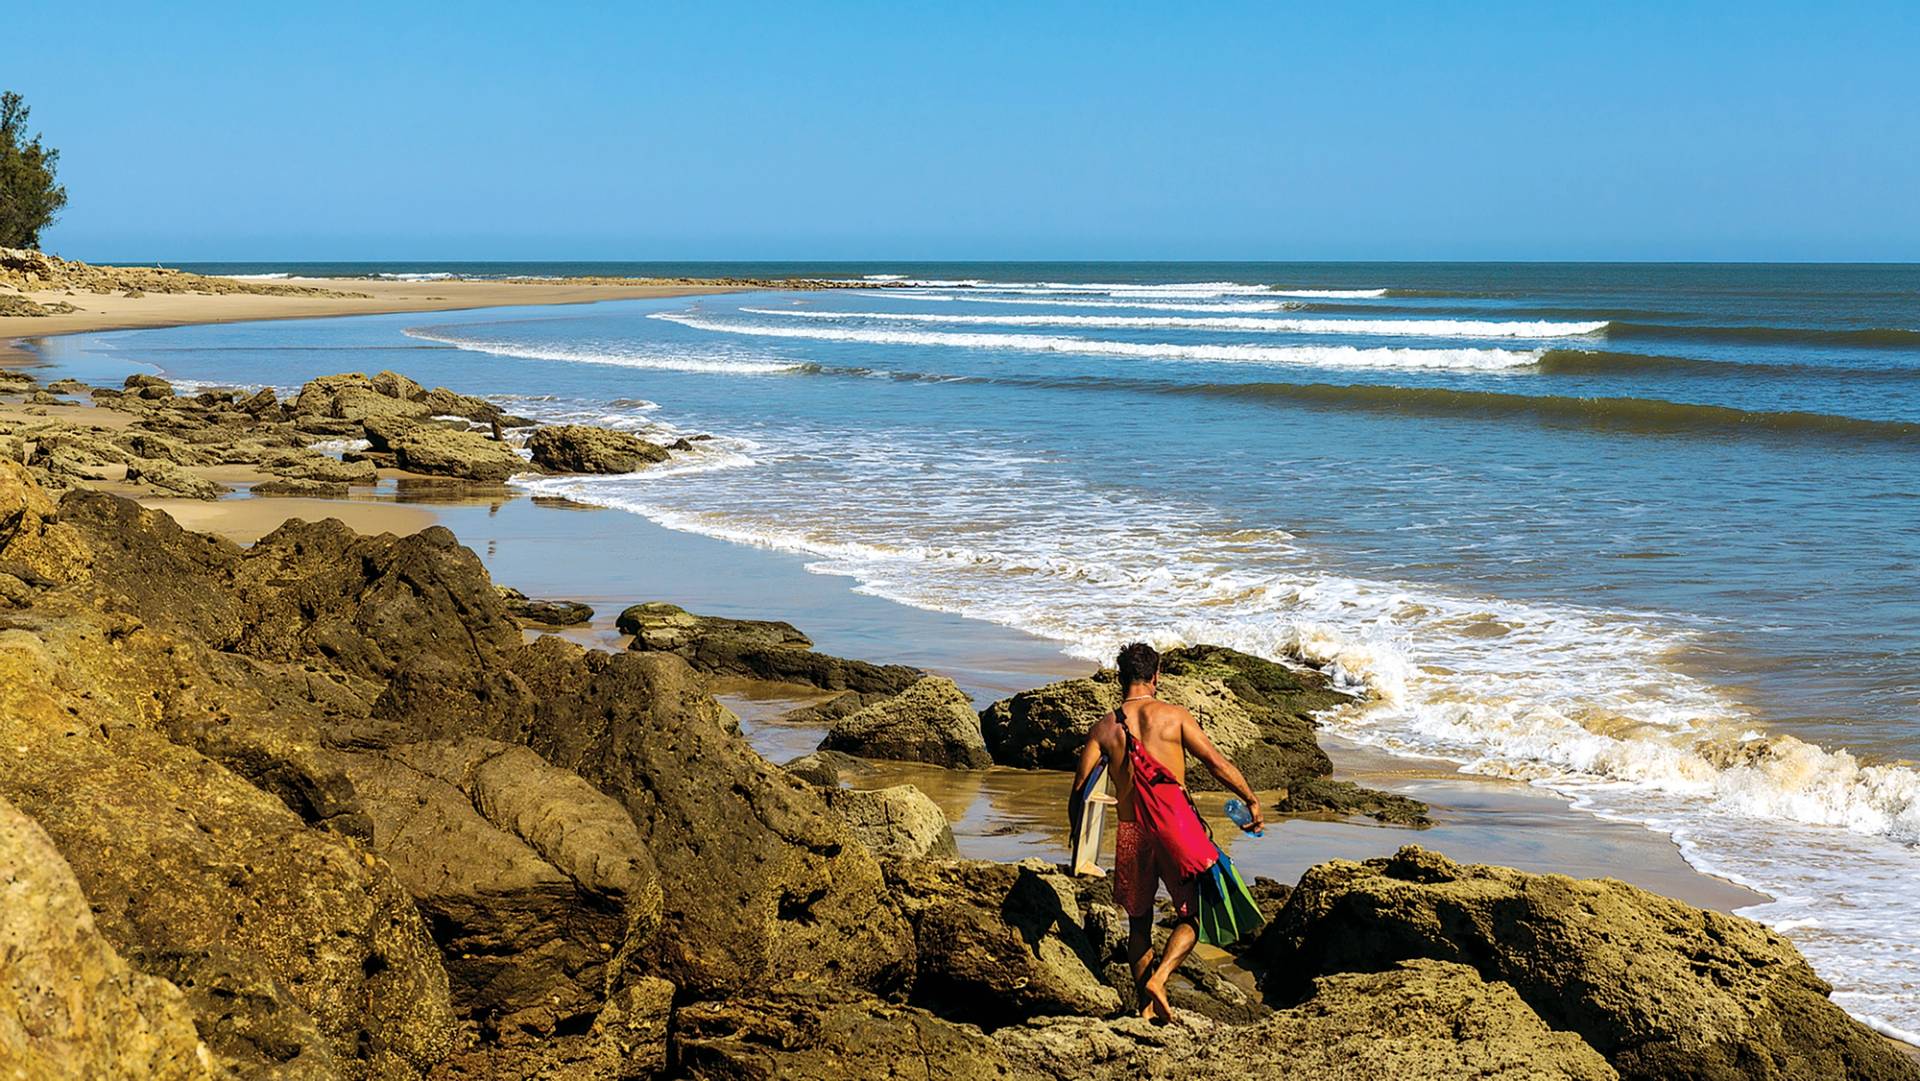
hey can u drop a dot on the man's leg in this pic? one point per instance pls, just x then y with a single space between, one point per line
1179 945
1185 895
1135 877
1140 956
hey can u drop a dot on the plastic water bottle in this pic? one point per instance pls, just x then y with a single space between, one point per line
1242 817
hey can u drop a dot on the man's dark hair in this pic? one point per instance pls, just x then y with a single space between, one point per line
1138 662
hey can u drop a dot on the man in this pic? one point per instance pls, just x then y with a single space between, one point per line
1168 733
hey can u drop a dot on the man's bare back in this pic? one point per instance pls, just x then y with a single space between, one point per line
1160 727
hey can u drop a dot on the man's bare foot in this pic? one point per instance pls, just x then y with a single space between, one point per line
1157 1008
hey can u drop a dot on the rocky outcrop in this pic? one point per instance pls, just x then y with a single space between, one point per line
313 466
442 452
1658 987
29 270
931 721
302 489
536 886
147 386
825 769
1421 1019
761 649
1257 712
1343 799
70 1006
763 883
351 396
580 448
546 613
817 1032
294 947
170 478
999 943
900 822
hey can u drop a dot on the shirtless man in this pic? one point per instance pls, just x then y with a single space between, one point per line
1169 733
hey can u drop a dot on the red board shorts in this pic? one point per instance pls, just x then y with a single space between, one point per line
1139 867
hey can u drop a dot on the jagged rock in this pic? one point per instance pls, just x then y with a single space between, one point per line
295 949
261 403
1660 988
312 465
394 385
351 396
80 444
169 477
998 943
467 455
376 607
1318 795
544 612
930 721
900 822
763 882
1257 712
70 1006
441 402
580 448
306 489
1422 1019
822 769
67 386
42 397
628 1040
147 386
536 886
668 628
759 649
141 444
816 1032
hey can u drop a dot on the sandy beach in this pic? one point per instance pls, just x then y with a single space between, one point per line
108 311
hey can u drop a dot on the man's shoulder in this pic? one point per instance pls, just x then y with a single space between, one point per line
1171 711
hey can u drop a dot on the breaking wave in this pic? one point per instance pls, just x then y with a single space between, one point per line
619 357
1442 328
1321 356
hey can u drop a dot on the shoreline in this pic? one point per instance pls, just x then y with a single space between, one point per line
103 311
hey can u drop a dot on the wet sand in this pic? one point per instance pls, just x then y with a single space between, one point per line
247 520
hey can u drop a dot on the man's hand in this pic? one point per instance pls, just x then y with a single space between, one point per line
1259 824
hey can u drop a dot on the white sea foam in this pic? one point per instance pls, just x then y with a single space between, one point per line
1317 356
415 276
258 277
1066 302
1170 289
1434 328
660 357
1183 290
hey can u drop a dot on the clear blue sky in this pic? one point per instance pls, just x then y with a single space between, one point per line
999 130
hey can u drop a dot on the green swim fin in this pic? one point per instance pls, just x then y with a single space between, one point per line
1227 912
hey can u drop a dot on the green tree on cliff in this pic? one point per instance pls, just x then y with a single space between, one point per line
30 196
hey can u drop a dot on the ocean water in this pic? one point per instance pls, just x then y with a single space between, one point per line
1648 536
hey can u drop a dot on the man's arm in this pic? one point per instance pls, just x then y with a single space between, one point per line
1195 740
